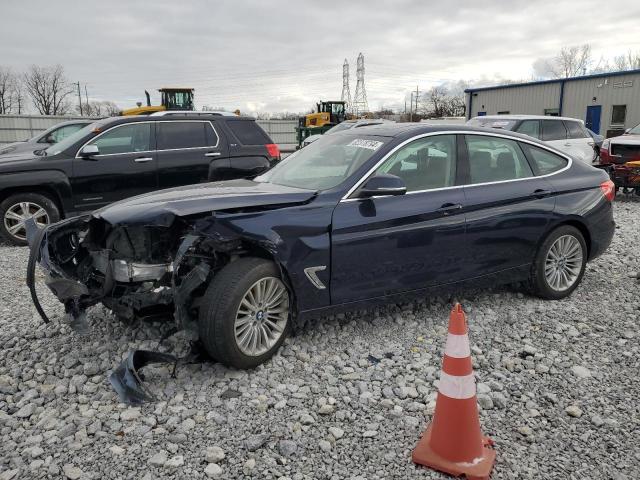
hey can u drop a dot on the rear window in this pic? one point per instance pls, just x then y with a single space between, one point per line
500 123
248 132
545 161
176 135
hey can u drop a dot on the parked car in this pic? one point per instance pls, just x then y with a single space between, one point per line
346 125
120 157
44 139
597 140
568 135
362 216
621 157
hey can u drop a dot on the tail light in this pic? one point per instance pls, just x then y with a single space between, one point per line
608 190
605 155
273 150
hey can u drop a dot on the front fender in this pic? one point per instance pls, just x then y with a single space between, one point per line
52 180
296 237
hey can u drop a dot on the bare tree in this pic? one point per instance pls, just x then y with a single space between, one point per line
7 90
48 89
97 108
629 61
570 62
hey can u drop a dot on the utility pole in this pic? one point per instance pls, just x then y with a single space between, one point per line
86 96
79 97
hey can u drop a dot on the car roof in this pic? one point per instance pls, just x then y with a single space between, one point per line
525 117
165 113
408 130
167 118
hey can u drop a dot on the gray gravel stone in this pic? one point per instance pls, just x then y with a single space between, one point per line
341 377
214 454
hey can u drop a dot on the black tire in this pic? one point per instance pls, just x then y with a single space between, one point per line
539 284
219 307
9 204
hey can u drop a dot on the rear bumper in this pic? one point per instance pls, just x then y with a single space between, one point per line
601 233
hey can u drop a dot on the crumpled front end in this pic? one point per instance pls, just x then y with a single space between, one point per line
138 271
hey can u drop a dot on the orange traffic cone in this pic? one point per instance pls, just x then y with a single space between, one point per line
453 443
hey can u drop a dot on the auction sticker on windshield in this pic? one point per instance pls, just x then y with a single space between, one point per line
362 143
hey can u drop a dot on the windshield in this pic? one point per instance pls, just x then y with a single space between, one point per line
502 123
635 130
325 163
71 139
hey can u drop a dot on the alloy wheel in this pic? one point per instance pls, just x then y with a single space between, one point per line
262 316
16 215
563 263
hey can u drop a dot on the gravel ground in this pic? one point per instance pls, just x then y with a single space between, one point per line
346 398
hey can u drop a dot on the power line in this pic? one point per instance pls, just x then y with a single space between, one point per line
346 92
360 104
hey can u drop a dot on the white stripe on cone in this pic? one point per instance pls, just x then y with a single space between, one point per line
460 388
457 346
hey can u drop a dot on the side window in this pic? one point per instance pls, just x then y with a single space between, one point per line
248 132
63 132
424 164
176 135
553 130
545 161
493 159
575 130
134 137
530 127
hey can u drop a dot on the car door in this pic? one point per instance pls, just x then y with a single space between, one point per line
581 142
391 244
125 166
187 149
507 207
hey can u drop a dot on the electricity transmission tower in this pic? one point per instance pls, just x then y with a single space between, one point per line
346 91
360 105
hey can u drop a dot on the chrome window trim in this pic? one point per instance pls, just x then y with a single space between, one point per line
149 151
357 185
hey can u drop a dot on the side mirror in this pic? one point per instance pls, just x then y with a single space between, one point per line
382 184
89 151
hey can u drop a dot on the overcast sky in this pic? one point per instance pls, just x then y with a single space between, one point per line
284 55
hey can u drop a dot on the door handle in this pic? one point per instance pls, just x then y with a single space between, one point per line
449 208
143 159
541 193
212 154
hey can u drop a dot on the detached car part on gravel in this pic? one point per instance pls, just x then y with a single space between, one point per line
370 215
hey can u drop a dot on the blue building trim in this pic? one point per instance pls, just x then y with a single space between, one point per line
555 80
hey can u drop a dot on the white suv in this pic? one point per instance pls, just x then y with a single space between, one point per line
566 134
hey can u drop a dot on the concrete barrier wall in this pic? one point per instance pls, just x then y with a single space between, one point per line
16 128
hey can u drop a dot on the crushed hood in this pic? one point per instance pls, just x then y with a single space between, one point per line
161 207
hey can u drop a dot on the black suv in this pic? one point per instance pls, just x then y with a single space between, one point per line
120 157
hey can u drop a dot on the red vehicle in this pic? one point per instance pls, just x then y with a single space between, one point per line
621 157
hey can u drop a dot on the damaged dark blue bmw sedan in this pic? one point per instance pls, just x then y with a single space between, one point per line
354 218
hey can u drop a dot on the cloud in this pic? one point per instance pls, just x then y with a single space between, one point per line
286 55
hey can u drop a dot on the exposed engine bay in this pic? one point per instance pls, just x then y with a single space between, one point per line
137 271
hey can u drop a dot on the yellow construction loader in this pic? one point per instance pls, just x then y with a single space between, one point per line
171 99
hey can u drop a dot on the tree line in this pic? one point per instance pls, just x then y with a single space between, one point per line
48 91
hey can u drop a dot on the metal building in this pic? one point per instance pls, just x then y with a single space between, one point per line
607 102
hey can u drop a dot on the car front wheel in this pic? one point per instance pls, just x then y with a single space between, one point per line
17 208
245 314
559 264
